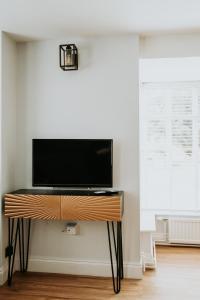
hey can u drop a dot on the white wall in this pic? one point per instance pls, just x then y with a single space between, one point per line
100 100
172 45
1 215
169 69
8 133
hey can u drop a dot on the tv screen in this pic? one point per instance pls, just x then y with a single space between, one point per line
72 162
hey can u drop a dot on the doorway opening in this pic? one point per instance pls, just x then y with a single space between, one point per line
169 154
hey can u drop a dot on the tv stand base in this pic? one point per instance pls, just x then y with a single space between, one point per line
24 205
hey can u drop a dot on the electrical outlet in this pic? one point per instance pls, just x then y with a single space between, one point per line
71 228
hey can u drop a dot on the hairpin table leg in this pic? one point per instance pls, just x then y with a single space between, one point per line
16 230
12 243
117 244
24 240
27 244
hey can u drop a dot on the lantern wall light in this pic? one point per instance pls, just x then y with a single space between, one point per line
68 57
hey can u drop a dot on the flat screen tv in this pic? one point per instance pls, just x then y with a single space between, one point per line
72 162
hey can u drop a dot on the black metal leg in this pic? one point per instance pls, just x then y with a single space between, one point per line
121 248
118 255
28 243
16 231
12 246
22 226
121 245
114 239
25 241
20 247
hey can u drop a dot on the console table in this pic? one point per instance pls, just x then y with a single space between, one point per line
22 206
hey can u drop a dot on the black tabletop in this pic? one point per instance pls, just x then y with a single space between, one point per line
76 192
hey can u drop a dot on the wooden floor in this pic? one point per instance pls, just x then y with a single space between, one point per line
176 278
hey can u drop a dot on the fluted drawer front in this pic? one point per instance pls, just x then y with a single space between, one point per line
44 207
96 208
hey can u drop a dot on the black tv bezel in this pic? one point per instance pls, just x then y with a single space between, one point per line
75 185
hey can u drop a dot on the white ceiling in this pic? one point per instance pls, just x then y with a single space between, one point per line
58 18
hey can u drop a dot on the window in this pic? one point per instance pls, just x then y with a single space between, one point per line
170 145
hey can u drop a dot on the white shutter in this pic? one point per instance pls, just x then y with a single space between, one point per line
170 145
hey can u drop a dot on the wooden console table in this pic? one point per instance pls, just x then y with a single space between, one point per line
22 206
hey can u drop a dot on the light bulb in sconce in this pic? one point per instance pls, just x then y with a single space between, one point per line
68 57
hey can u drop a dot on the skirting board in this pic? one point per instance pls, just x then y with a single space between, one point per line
149 262
80 267
3 274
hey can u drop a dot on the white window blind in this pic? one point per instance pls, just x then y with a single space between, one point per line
170 145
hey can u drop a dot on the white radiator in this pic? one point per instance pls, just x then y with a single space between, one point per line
184 230
161 234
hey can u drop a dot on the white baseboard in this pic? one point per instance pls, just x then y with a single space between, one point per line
3 274
149 262
81 267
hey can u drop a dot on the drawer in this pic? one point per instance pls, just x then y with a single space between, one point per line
44 207
95 208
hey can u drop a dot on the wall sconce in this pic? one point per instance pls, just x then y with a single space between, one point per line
68 57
